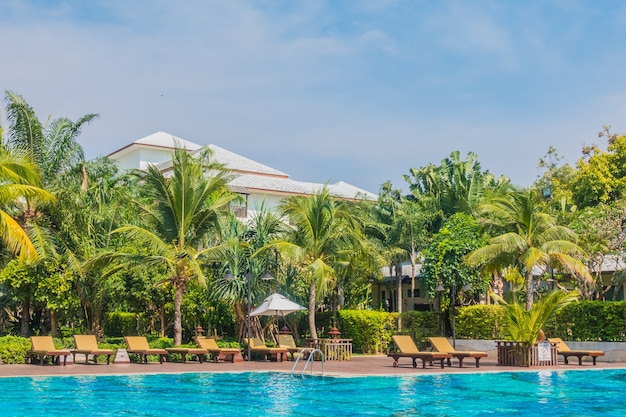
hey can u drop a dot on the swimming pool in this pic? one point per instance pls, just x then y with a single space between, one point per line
554 393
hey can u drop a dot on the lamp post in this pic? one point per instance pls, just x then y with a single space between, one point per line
266 277
440 288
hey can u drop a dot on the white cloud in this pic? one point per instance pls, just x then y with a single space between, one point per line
359 94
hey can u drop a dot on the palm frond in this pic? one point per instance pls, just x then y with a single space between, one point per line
146 238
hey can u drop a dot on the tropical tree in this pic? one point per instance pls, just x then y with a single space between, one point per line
600 175
444 258
525 238
602 235
555 185
364 261
93 199
180 214
246 254
456 185
324 232
53 149
19 180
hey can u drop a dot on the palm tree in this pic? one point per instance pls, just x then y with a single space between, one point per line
323 230
53 149
528 238
180 213
19 180
455 185
93 200
246 249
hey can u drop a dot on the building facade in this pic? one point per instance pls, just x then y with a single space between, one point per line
259 185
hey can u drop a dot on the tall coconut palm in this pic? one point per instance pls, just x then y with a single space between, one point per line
323 229
527 238
54 149
456 185
93 200
180 212
19 180
53 146
246 249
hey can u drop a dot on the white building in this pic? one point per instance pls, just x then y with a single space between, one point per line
257 183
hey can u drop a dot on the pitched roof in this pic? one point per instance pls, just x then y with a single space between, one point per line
249 174
160 140
237 163
289 186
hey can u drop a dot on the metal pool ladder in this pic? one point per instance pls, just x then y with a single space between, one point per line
311 353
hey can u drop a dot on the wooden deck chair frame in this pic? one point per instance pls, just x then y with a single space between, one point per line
43 346
139 346
210 345
188 351
441 344
267 353
86 344
564 350
286 341
406 348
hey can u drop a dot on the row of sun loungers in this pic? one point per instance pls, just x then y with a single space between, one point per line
42 347
205 347
444 351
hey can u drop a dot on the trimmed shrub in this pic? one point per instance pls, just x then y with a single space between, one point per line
603 321
582 321
13 349
480 322
119 324
369 330
420 325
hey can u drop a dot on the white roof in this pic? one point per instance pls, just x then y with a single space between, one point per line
238 163
166 140
289 186
248 173
159 140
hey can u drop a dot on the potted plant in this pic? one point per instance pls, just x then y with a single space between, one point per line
523 327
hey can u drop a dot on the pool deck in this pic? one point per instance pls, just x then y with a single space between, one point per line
357 366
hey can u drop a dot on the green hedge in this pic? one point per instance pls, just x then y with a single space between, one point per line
480 322
119 324
581 321
369 330
602 321
420 325
13 349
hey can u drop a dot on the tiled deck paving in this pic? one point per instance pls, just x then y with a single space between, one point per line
358 365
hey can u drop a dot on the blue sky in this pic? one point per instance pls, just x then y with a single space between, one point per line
355 91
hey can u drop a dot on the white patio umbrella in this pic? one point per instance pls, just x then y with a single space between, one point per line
276 305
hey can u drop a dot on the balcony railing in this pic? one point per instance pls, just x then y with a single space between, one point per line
240 211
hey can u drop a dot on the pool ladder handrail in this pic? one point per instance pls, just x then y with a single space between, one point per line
311 353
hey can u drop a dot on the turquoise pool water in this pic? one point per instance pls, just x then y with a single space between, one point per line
553 393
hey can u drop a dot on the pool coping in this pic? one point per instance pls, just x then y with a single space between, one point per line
361 365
